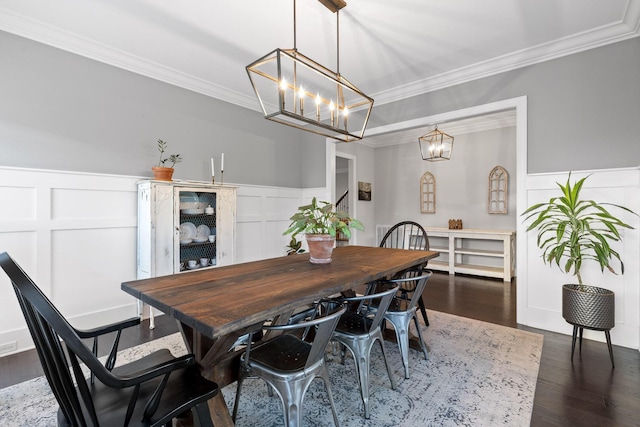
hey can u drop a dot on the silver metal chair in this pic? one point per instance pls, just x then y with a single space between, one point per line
291 361
359 329
408 235
401 311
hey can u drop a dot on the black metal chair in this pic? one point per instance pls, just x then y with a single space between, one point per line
401 311
289 362
408 235
359 329
150 391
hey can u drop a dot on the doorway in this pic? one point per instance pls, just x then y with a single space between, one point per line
344 188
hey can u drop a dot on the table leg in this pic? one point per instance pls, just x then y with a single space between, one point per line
219 412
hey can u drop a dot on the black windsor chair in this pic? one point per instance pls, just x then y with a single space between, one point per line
150 391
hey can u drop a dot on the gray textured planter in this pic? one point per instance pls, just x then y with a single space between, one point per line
588 307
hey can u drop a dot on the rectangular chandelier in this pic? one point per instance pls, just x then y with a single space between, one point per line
295 90
436 146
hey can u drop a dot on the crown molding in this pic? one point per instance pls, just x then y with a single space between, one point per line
24 26
53 36
627 28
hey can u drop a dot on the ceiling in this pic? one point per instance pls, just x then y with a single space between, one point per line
388 49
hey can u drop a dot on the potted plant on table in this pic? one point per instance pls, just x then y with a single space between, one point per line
319 223
162 172
571 231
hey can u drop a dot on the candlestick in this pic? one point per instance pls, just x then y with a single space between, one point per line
221 177
345 114
301 101
318 101
331 108
283 88
213 180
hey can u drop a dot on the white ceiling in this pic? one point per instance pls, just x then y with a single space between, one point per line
389 49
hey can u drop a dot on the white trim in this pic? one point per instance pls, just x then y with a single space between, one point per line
32 29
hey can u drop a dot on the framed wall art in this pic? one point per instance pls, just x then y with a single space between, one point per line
364 191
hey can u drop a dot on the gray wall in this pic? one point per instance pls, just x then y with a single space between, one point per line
61 111
583 110
64 112
461 183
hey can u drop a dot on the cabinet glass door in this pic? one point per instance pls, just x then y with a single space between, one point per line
197 229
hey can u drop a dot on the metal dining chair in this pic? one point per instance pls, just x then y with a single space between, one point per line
150 391
401 311
358 329
289 362
408 235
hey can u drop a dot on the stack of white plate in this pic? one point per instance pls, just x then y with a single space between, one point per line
202 234
190 203
188 232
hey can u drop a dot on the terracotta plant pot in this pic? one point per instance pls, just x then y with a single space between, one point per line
320 247
162 174
588 306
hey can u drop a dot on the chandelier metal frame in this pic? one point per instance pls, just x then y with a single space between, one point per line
284 79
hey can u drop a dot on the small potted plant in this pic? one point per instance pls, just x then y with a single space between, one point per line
571 231
319 223
162 172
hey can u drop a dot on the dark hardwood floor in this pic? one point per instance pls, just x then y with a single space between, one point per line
586 392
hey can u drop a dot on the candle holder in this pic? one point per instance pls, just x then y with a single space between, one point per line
213 180
221 177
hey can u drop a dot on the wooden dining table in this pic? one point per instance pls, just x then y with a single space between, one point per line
216 306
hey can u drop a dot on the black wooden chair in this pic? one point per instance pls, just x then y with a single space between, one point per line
408 235
289 362
150 391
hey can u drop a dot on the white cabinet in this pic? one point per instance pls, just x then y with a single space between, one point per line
489 253
166 207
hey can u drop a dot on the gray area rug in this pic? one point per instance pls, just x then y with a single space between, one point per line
477 374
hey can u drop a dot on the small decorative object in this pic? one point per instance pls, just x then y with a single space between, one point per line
498 190
161 172
320 223
213 171
428 193
570 231
364 191
455 224
208 210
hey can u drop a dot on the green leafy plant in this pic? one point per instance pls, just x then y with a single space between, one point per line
320 218
294 246
173 158
572 230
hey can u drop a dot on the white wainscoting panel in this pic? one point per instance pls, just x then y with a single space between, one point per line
75 235
263 215
539 285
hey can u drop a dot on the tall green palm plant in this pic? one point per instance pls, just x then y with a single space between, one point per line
571 230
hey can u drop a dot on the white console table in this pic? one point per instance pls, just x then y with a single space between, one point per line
470 251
